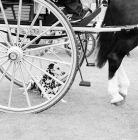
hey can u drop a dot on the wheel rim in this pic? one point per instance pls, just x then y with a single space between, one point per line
21 61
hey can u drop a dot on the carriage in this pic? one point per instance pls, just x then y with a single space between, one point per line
29 41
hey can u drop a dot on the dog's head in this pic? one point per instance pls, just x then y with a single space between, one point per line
55 70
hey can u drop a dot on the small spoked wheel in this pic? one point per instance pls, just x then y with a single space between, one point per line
82 46
91 43
28 56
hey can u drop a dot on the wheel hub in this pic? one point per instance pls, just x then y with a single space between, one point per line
15 54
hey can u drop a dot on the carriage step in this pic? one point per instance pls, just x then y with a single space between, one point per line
90 64
85 83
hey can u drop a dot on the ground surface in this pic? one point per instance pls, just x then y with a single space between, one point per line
87 115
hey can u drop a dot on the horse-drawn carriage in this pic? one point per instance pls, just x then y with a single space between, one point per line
27 42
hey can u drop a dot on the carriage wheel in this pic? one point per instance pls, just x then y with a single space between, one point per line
21 61
91 43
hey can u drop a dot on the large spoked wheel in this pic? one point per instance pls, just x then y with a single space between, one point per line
27 57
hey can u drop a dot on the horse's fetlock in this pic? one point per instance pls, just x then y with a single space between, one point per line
124 84
113 91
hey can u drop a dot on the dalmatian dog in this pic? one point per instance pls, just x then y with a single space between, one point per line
49 85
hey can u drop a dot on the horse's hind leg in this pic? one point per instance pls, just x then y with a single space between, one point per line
113 89
123 81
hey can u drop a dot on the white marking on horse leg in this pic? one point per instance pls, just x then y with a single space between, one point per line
113 89
123 81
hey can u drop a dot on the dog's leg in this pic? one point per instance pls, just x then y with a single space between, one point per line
48 91
30 85
63 101
55 91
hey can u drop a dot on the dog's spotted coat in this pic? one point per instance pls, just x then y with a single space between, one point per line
49 85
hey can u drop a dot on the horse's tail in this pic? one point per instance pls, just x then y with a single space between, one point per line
106 42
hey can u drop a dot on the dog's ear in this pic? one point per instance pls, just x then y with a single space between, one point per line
51 66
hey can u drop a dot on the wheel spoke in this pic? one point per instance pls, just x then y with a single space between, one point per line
46 59
26 93
48 46
3 62
11 86
30 68
19 20
45 72
35 81
32 24
4 39
40 61
64 48
88 50
50 28
3 51
3 75
58 57
3 56
6 22
4 46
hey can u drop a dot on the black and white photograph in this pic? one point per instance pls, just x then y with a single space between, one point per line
68 69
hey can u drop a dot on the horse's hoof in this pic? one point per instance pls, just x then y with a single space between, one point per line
117 98
119 103
123 95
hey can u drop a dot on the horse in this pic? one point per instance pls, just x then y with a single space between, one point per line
112 47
